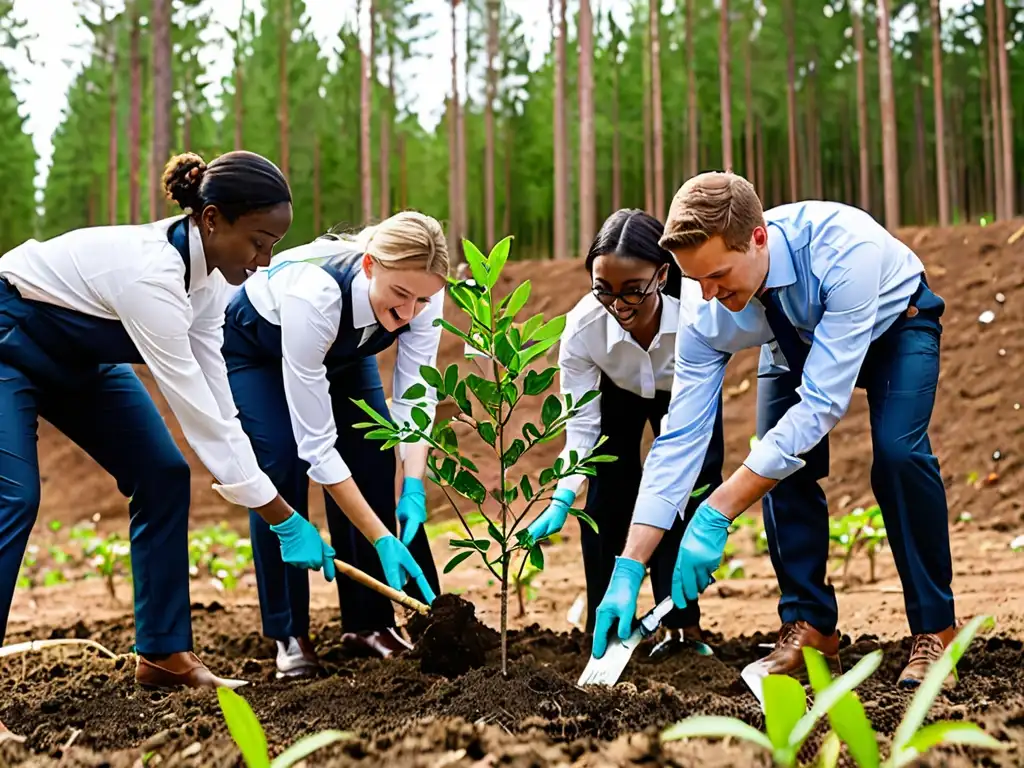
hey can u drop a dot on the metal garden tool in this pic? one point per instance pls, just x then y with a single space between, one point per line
378 586
753 675
608 669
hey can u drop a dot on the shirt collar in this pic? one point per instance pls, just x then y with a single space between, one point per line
362 312
668 325
780 259
197 256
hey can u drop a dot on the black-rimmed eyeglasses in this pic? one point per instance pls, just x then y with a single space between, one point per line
633 297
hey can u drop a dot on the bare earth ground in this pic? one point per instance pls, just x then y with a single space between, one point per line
401 715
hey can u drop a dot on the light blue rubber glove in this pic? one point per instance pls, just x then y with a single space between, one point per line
619 603
400 566
700 554
412 508
551 520
302 546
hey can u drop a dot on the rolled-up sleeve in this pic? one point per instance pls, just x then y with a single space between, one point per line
310 317
677 455
417 347
157 315
840 343
579 374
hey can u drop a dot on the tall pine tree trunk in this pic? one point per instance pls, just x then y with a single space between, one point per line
645 83
1006 110
691 88
725 86
492 94
239 105
656 116
463 137
365 105
161 19
112 138
561 234
997 117
509 138
616 158
284 36
864 153
920 151
749 163
890 159
940 116
986 143
588 158
387 122
794 177
454 194
135 118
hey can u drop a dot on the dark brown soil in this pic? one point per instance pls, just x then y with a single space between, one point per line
398 712
450 640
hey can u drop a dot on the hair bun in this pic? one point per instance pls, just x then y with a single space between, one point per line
182 179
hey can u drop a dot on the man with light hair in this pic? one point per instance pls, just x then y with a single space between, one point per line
838 303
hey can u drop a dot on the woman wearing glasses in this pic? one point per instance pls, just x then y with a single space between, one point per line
620 339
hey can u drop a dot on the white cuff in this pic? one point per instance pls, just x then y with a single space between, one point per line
252 493
331 470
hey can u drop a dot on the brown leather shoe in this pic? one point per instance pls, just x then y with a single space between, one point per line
787 658
925 651
180 670
382 643
296 658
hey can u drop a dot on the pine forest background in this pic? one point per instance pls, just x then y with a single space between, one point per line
807 98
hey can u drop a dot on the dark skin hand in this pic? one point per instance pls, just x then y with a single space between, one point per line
240 247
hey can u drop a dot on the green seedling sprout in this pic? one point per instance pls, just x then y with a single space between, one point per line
863 530
508 349
911 740
245 729
787 720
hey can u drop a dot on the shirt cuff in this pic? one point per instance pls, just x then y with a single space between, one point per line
571 483
768 460
654 511
331 470
252 493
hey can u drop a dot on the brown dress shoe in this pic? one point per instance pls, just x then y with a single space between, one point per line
383 643
180 670
296 658
925 651
787 658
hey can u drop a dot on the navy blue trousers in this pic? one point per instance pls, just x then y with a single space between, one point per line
258 392
612 494
900 376
110 415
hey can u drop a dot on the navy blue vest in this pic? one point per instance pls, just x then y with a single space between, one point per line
250 340
54 343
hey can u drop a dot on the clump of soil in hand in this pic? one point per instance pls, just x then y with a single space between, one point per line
450 640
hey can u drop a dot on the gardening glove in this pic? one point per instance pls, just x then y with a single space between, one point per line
700 554
412 508
551 520
302 546
619 603
399 566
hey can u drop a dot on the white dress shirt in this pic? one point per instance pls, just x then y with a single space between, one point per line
295 293
593 343
133 274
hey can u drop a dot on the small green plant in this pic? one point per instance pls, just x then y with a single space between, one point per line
109 557
221 553
787 720
912 739
245 729
863 530
509 349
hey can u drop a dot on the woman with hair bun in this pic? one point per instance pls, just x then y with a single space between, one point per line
620 339
75 312
301 341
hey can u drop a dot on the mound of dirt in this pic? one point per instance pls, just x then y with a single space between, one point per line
450 640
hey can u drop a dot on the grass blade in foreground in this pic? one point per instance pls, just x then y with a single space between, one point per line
713 726
307 746
245 728
848 719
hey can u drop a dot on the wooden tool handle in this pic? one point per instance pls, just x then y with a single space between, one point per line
378 586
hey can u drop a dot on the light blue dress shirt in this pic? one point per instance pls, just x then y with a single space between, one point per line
843 280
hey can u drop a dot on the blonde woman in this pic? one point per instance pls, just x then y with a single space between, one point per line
300 342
